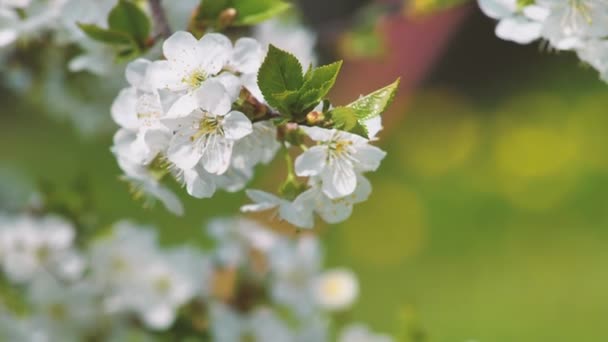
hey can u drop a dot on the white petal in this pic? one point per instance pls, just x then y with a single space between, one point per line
213 98
259 196
216 50
124 109
216 155
374 126
183 152
169 200
160 317
339 179
318 134
300 211
231 83
247 56
162 75
136 72
181 48
311 162
498 9
183 106
368 157
7 37
334 211
236 125
199 184
518 29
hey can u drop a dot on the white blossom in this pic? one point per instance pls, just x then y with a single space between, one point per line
30 246
521 25
357 332
294 268
261 325
337 160
189 63
208 134
336 289
298 213
235 238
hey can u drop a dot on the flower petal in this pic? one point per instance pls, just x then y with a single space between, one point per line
318 134
339 179
183 152
236 125
199 184
216 154
368 157
213 98
247 56
311 162
136 72
519 30
181 48
216 50
162 75
183 106
124 109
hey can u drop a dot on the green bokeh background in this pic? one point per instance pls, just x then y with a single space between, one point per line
488 217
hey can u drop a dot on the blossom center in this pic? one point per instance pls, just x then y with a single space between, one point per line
207 125
162 284
195 78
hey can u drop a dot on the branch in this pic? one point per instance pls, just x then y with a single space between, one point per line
160 19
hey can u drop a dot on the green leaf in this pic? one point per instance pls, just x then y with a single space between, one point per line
251 12
128 18
317 83
344 118
281 72
375 103
105 36
248 12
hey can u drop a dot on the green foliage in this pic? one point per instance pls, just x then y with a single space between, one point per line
285 87
375 103
279 78
220 14
351 117
128 18
105 35
251 12
128 30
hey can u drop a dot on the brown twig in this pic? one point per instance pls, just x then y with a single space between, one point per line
160 19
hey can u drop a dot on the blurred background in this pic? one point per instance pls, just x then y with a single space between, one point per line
488 217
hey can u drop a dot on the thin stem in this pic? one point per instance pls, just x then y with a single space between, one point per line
160 19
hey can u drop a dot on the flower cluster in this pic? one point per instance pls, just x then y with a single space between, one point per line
254 284
577 25
200 116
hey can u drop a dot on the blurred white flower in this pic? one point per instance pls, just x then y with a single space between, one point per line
236 237
289 36
63 312
261 325
30 246
357 332
336 289
165 284
136 276
294 268
337 160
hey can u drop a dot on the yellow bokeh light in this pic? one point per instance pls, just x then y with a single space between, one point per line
536 152
387 229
